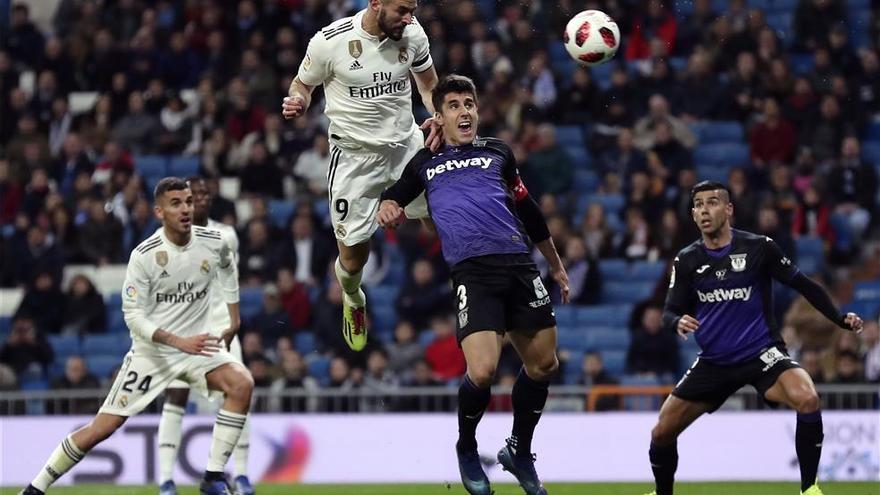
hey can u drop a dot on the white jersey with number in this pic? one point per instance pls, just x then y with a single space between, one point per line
168 286
366 81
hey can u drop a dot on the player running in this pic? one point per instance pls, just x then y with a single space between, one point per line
364 63
721 290
483 213
166 303
177 393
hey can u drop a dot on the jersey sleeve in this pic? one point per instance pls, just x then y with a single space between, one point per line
410 184
423 60
135 297
777 263
678 299
227 272
511 174
315 66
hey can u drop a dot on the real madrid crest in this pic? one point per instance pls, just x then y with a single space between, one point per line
403 56
355 49
340 231
162 258
738 262
206 267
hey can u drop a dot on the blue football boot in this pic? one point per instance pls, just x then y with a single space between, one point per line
243 486
472 475
216 487
521 465
168 488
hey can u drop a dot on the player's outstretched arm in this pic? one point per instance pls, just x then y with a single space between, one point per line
425 82
403 192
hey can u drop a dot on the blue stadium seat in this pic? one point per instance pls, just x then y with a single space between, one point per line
613 203
626 292
112 344
250 301
585 181
383 293
865 309
383 316
614 269
565 315
713 132
304 342
64 346
609 338
687 358
640 402
101 365
872 133
151 166
602 75
604 315
572 338
713 172
580 158
184 166
116 321
615 361
647 271
867 291
5 327
280 212
113 300
801 63
426 338
721 154
871 152
319 369
151 183
570 135
810 254
573 369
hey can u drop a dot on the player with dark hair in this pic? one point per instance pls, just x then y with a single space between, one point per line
484 214
721 290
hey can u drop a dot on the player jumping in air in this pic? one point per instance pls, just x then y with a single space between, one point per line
721 290
364 63
483 214
177 393
167 306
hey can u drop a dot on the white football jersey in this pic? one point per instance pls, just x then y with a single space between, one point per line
366 81
219 312
168 286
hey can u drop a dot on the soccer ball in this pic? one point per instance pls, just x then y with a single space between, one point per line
591 37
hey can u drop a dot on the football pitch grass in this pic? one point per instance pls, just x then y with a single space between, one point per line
789 488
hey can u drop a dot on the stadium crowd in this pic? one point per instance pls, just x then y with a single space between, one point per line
91 101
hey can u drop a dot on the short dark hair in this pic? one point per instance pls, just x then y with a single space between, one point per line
710 185
169 184
195 178
453 83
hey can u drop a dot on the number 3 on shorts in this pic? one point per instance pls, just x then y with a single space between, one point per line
341 207
462 297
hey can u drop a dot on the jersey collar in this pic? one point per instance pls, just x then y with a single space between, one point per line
358 23
174 246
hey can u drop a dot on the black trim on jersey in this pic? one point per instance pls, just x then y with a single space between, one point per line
422 61
202 232
331 172
332 31
336 33
148 245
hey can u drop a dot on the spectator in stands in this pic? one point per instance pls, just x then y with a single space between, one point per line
295 377
585 285
443 355
43 303
294 299
115 158
341 379
770 224
667 155
175 132
84 310
658 111
597 235
656 22
781 197
745 207
141 225
101 235
72 160
379 379
305 252
311 166
26 349
251 344
244 117
256 254
10 194
667 237
772 141
813 20
825 133
272 320
8 380
594 373
36 251
35 192
76 377
261 176
405 351
653 351
549 164
28 135
614 117
23 40
793 342
813 217
422 296
871 337
848 367
852 185
625 159
645 196
700 91
581 100
137 130
635 241
867 82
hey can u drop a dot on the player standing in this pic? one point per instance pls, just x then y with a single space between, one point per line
721 290
177 393
165 300
364 63
483 212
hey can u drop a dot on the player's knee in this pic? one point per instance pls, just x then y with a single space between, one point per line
177 396
662 434
482 374
545 369
807 401
240 388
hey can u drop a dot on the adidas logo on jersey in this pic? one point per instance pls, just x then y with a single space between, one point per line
164 274
720 295
355 66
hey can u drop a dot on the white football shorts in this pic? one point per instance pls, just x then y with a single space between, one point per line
234 349
357 176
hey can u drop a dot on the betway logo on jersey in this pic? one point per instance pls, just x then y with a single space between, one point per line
720 295
481 162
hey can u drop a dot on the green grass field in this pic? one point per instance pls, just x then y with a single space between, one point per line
456 489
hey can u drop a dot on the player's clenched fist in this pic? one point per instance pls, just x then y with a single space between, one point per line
293 107
203 344
687 324
390 214
854 322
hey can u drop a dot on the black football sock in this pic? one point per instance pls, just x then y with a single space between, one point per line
664 462
529 397
214 476
472 402
808 444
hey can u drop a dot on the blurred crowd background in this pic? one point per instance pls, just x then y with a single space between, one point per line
99 99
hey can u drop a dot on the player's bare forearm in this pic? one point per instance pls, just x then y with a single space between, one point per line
203 344
167 338
425 82
234 323
298 100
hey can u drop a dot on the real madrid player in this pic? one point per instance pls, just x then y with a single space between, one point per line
166 303
364 63
721 290
177 393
